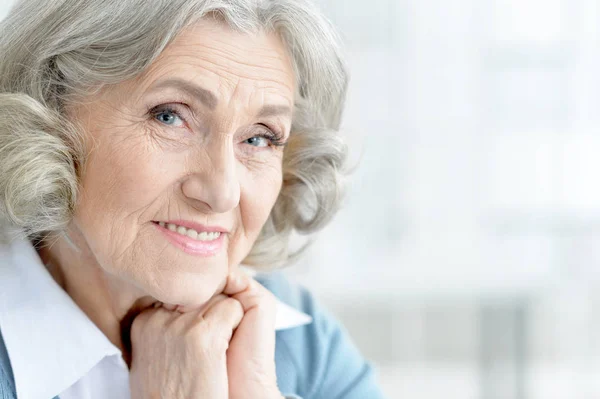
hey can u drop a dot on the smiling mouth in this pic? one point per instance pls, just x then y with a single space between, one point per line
191 233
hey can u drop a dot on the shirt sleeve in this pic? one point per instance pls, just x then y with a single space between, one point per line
330 365
345 373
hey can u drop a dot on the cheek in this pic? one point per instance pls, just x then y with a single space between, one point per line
259 193
115 182
127 170
122 180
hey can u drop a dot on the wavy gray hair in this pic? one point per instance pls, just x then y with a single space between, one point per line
54 51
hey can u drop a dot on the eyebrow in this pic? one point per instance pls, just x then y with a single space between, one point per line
205 96
209 99
274 110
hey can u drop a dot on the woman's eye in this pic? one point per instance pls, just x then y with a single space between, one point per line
258 141
169 118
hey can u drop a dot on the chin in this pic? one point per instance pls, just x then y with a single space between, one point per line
185 289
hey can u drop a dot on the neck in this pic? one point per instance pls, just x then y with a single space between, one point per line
110 302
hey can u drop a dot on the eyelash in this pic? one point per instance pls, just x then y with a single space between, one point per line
275 139
161 109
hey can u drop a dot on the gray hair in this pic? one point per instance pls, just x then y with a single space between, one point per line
55 51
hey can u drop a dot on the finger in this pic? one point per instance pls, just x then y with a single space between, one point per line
255 295
255 337
135 323
211 302
191 318
169 307
260 308
237 281
227 314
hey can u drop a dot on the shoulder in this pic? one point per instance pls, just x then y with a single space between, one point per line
7 389
317 360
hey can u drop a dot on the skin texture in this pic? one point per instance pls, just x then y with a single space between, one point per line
205 163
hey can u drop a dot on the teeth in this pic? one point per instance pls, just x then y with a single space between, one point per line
193 234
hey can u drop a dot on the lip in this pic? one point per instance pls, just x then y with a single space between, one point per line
191 246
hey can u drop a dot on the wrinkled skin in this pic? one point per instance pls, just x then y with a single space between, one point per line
196 137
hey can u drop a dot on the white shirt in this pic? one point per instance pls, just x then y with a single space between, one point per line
54 348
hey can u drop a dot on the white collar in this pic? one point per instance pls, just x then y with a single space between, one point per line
50 341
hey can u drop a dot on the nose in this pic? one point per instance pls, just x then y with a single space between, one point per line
213 185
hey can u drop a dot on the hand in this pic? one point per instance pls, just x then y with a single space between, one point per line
183 355
251 353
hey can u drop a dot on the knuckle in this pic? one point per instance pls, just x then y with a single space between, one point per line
227 306
263 298
146 323
213 302
199 336
206 339
173 331
233 305
159 318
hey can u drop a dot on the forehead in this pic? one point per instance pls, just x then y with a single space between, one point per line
226 62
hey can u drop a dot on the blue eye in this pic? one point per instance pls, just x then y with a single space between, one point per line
268 138
258 141
168 117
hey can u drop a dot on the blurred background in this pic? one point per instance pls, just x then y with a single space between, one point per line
466 261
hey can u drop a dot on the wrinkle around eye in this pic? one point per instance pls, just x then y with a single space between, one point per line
165 138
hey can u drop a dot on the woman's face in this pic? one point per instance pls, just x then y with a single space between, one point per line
195 142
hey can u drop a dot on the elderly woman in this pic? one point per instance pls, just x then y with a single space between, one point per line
148 149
